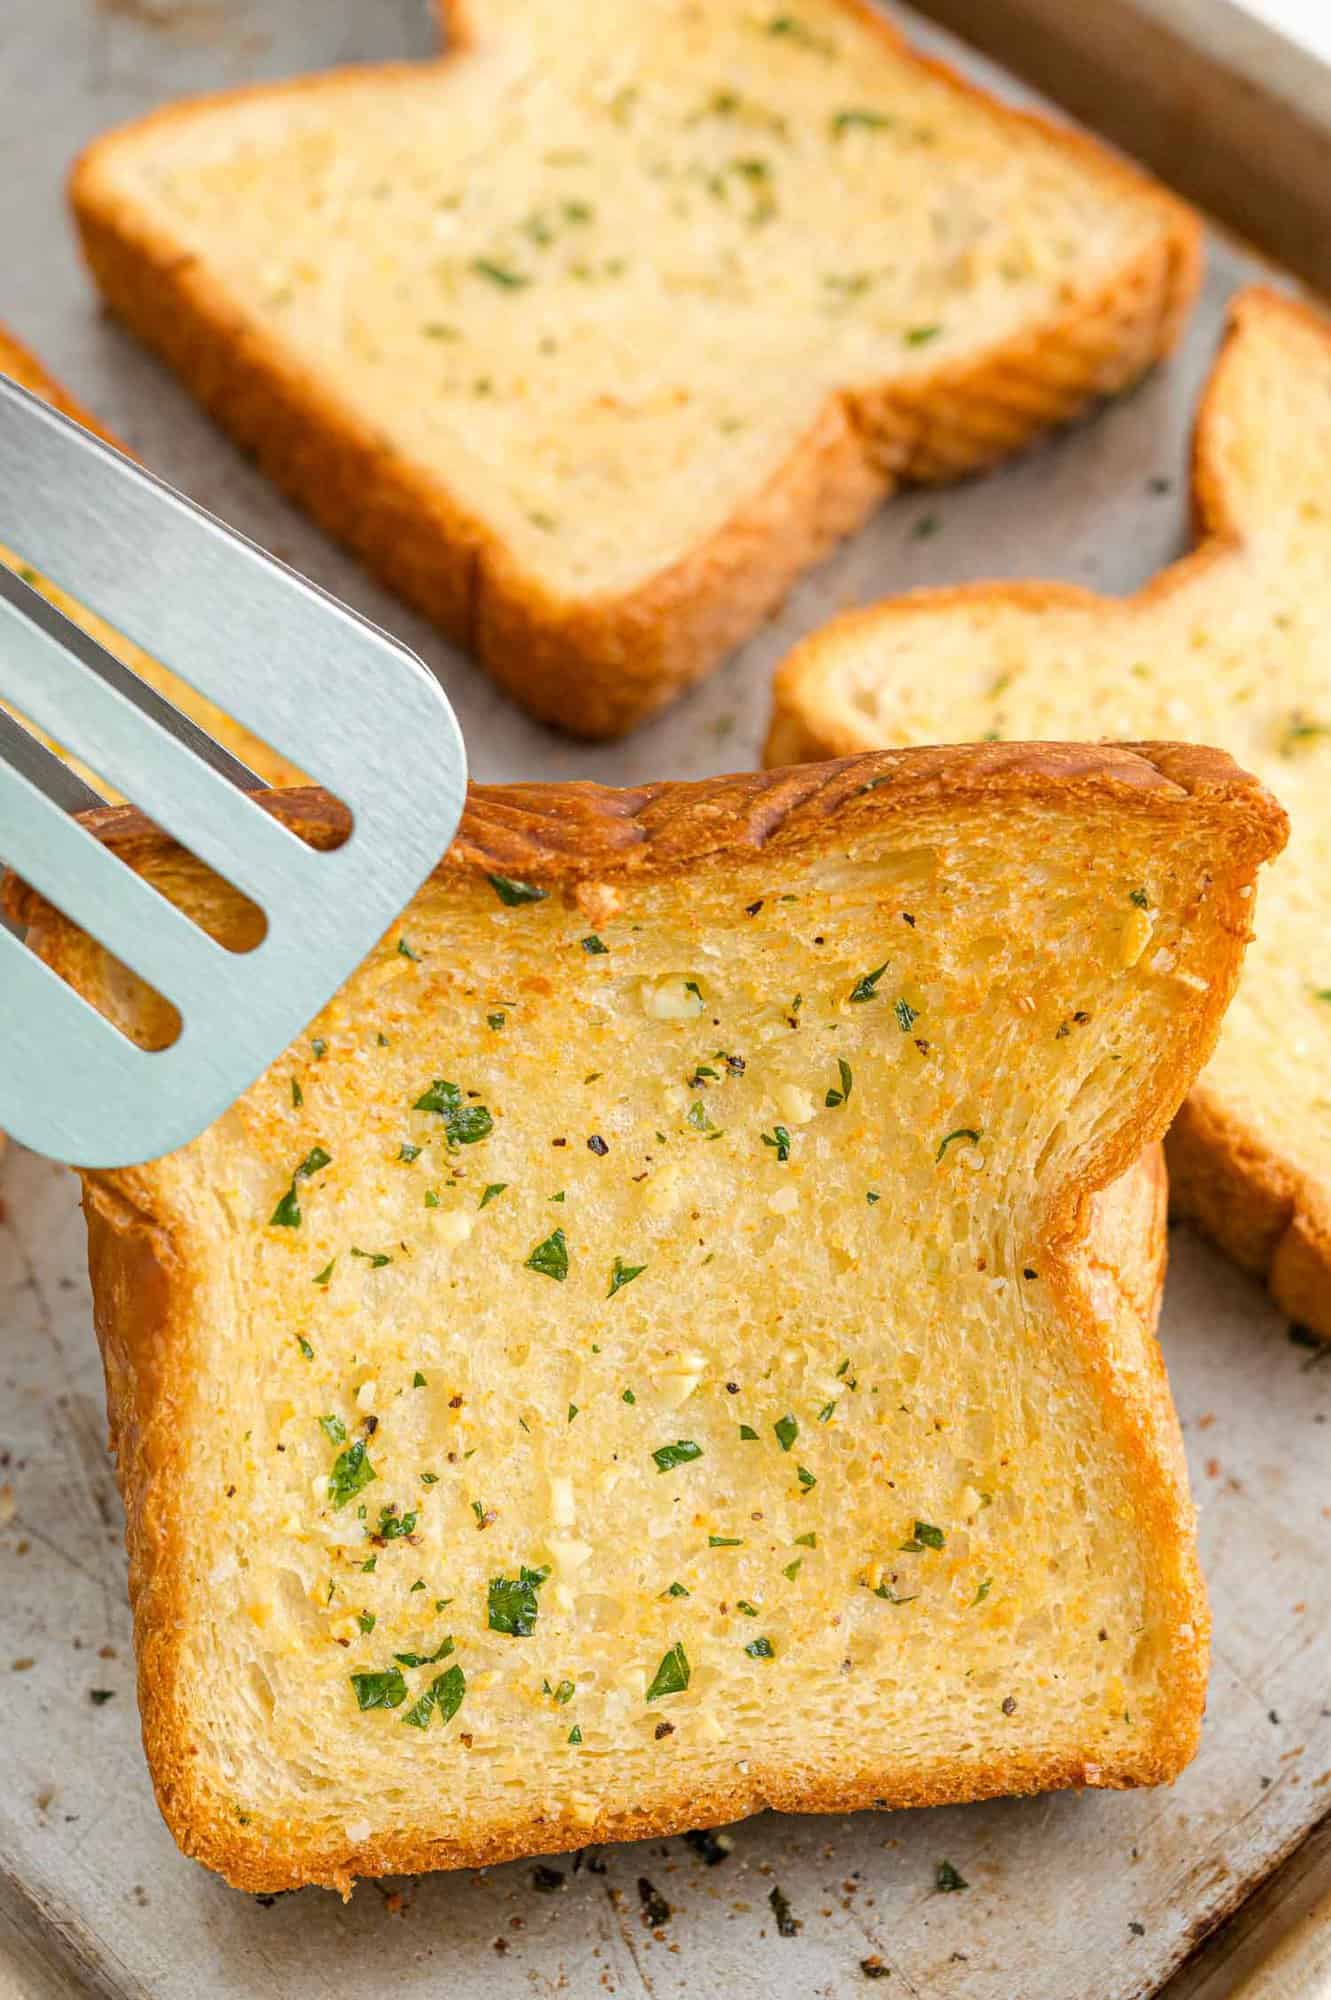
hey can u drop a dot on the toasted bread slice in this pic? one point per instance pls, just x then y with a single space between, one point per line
23 367
593 336
1228 646
644 1355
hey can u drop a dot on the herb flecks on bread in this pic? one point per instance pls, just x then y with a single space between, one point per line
1228 646
654 1348
593 336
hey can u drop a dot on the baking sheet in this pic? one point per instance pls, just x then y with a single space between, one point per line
1068 1896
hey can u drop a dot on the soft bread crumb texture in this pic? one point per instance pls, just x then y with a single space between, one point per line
652 1325
24 368
593 335
1225 647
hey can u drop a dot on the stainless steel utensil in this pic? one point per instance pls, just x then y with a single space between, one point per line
346 703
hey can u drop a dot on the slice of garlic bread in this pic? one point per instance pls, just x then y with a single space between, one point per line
655 1348
593 336
1228 646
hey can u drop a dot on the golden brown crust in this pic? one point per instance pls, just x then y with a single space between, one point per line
566 835
599 665
1243 1194
1105 1260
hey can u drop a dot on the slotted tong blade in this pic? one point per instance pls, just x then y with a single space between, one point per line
337 696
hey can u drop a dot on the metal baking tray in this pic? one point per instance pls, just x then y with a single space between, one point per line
1069 1896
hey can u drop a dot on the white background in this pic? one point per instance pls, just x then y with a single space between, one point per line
1307 21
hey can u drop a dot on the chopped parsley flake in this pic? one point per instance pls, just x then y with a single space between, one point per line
982 1592
376 1259
926 1536
511 1604
962 1132
779 1139
297 1094
868 121
305 1347
408 1152
1140 898
594 948
760 1649
809 1541
351 1473
383 1690
672 1676
889 1596
464 1124
866 986
906 1015
836 1097
788 1926
405 951
920 336
668 1456
444 1694
394 1527
623 1274
322 1277
787 1430
792 1569
508 280
791 28
805 1477
333 1429
366 1620
575 1734
495 1021
747 1434
441 1652
287 1213
724 1542
947 1880
550 1257
492 1192
511 893
628 1397
676 1590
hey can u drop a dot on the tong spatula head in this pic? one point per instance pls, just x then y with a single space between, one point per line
343 701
